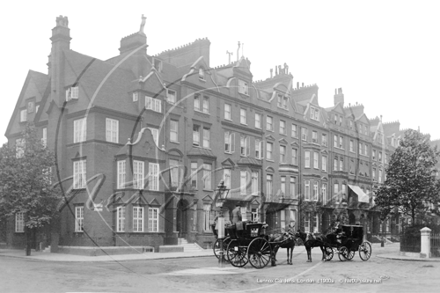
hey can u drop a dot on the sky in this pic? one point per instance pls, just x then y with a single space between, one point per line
383 54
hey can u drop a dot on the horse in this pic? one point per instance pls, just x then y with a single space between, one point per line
286 241
310 242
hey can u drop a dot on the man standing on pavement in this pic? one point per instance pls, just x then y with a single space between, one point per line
236 214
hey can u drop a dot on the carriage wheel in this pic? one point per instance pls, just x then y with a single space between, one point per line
259 253
237 255
328 253
350 255
343 253
365 251
217 249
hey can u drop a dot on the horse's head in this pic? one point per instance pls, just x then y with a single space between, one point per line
300 234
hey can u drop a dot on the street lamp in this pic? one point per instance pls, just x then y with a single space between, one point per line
221 194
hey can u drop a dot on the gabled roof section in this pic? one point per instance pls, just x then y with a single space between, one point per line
228 163
35 86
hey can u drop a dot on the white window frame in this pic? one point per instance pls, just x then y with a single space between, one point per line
269 151
171 96
207 218
255 186
19 222
197 104
244 178
258 120
196 134
324 163
23 115
315 191
44 137
283 150
315 136
138 219
228 112
79 218
206 137
153 104
304 133
121 171
153 219
244 145
307 219
135 96
282 127
243 117
307 190
307 159
258 149
269 186
153 170
283 185
294 156
243 87
79 130
194 174
205 105
120 219
294 132
315 160
324 192
227 178
229 142
174 130
112 130
79 174
138 174
324 139
292 187
207 179
175 173
72 93
269 123
155 134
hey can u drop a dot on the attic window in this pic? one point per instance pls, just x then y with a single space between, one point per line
171 96
30 107
201 74
135 96
23 115
243 87
157 64
282 101
72 93
314 113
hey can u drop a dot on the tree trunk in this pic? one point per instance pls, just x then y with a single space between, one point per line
28 233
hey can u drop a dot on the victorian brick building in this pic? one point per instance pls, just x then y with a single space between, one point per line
143 141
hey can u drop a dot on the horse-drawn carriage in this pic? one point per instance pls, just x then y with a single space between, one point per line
246 242
349 240
345 240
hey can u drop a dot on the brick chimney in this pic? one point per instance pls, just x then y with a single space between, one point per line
339 97
60 42
132 42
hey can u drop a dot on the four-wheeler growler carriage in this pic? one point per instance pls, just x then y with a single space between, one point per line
347 243
248 243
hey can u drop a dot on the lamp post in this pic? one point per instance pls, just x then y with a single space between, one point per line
222 192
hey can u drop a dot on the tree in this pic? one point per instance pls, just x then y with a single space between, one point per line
25 182
411 187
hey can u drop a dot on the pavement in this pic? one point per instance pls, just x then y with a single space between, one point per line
389 251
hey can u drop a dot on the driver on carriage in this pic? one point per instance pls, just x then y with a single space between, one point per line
337 234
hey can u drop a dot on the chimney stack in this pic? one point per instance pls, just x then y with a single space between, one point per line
60 42
339 97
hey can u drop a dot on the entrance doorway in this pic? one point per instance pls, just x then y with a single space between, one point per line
182 218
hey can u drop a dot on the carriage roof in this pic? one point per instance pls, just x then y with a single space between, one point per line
353 231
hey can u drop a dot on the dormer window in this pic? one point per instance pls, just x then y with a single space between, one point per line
282 101
201 73
30 107
72 93
314 113
157 64
135 96
243 87
171 96
23 115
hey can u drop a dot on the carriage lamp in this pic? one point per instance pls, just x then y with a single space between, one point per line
222 192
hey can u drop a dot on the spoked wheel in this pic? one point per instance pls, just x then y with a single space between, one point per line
217 249
237 255
365 251
328 253
259 253
343 253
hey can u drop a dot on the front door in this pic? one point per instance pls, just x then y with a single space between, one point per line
182 218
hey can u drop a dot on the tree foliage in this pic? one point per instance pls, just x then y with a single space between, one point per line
25 180
411 187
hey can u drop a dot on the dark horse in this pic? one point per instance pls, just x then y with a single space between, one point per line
310 242
285 241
